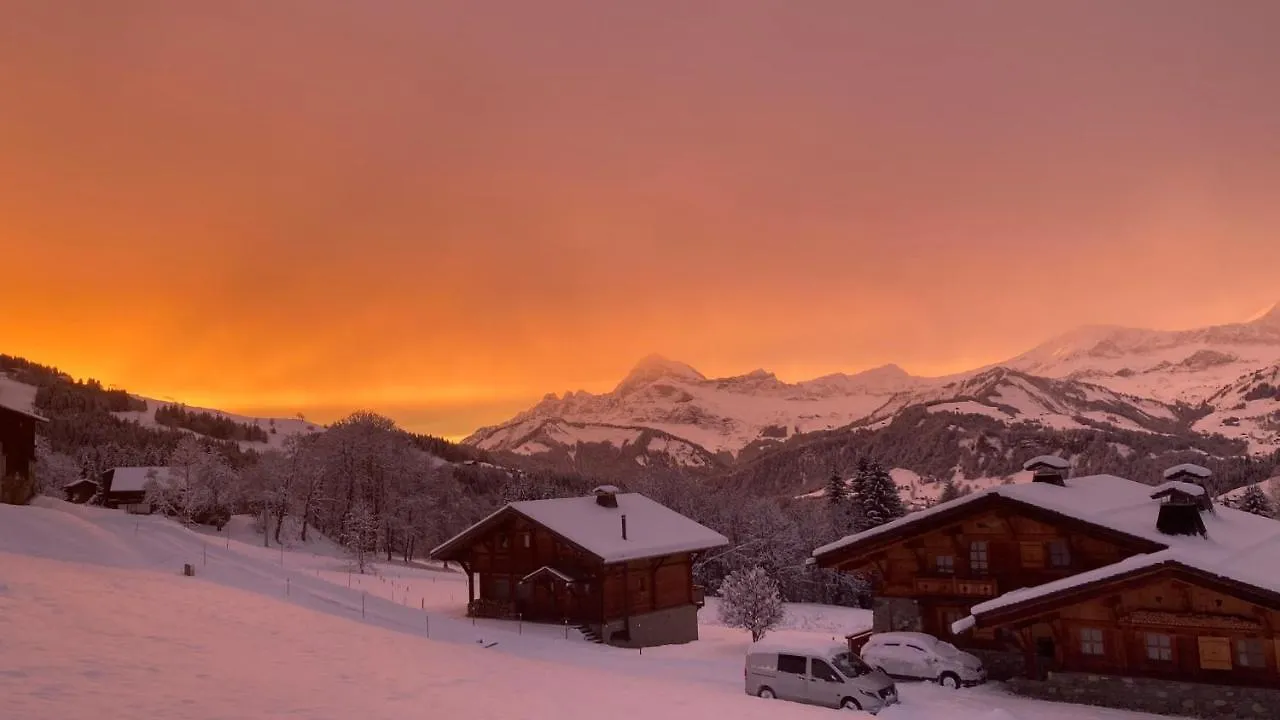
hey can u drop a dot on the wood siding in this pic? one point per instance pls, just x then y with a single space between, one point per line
1164 627
516 547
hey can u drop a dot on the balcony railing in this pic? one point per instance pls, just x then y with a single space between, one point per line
961 587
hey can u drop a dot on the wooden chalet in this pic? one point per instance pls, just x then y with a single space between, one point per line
17 454
1097 574
617 565
80 491
126 487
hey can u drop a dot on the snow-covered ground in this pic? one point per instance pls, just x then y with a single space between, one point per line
96 618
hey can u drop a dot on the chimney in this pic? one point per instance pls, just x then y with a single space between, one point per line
1048 469
624 527
1189 480
606 496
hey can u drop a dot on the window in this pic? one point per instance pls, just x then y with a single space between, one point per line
503 542
1251 653
1159 647
526 539
823 671
792 664
979 561
1060 554
1091 642
1032 554
946 564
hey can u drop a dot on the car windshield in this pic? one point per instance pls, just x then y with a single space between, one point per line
946 649
850 665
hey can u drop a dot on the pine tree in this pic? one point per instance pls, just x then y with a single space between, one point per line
751 600
1255 501
950 491
837 491
878 497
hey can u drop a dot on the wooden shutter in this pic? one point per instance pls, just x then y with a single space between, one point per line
1032 554
1215 653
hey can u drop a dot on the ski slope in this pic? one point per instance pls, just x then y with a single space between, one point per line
95 613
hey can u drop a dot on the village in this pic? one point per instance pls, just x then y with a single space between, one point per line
1090 590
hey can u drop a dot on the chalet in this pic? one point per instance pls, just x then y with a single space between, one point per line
80 491
617 565
126 487
17 454
1096 574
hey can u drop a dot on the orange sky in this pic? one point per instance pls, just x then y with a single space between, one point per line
443 210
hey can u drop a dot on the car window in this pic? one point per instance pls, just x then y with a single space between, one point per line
823 671
913 647
792 664
850 665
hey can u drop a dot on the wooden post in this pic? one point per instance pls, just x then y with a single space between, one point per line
362 594
428 617
286 587
204 553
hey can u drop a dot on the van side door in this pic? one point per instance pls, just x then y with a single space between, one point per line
793 678
826 687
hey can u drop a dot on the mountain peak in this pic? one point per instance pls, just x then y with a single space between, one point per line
653 367
1267 317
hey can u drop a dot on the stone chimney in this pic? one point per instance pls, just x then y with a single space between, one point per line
607 496
1048 469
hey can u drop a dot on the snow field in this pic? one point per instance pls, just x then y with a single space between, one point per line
94 614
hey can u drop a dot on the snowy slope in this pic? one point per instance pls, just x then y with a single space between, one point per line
1142 380
21 396
94 614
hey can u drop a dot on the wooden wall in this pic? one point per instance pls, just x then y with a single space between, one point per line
1204 628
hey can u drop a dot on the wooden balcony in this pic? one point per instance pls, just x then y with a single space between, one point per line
956 586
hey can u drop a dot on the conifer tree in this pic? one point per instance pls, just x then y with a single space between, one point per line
878 497
837 491
1255 501
950 491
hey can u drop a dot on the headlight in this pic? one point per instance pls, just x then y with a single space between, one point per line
869 694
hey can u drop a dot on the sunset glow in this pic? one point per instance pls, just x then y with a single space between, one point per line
444 210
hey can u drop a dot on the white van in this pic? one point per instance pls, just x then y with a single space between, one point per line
821 674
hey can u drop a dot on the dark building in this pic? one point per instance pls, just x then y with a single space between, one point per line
617 565
17 454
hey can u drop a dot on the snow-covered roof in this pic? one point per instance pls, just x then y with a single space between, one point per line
81 481
134 479
1189 469
20 411
653 529
798 645
1052 461
1176 485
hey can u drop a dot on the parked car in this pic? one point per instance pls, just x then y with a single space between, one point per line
917 656
823 674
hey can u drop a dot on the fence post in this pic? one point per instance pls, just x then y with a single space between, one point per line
428 617
566 628
286 587
204 553
362 594
520 623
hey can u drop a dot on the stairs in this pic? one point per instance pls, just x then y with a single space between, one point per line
590 634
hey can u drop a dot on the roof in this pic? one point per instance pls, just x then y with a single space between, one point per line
914 637
1189 469
27 413
653 530
1240 546
1052 461
77 483
548 570
1177 486
134 479
814 646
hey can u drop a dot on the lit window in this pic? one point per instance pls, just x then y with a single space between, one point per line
1251 653
1059 554
979 560
946 564
1091 642
526 539
1159 647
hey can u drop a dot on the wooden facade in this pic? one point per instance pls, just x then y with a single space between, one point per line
518 568
977 551
17 454
1166 621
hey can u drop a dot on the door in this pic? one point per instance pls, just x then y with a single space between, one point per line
917 662
793 678
888 657
825 684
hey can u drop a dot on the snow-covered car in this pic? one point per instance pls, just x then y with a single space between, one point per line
917 656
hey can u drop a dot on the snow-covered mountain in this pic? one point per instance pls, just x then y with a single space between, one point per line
1133 379
718 415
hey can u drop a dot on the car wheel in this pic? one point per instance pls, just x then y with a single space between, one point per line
767 693
850 704
949 680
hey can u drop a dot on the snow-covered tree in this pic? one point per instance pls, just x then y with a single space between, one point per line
360 534
52 471
878 496
837 489
750 599
1253 500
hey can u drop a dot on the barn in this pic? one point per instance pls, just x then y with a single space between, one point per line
17 454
